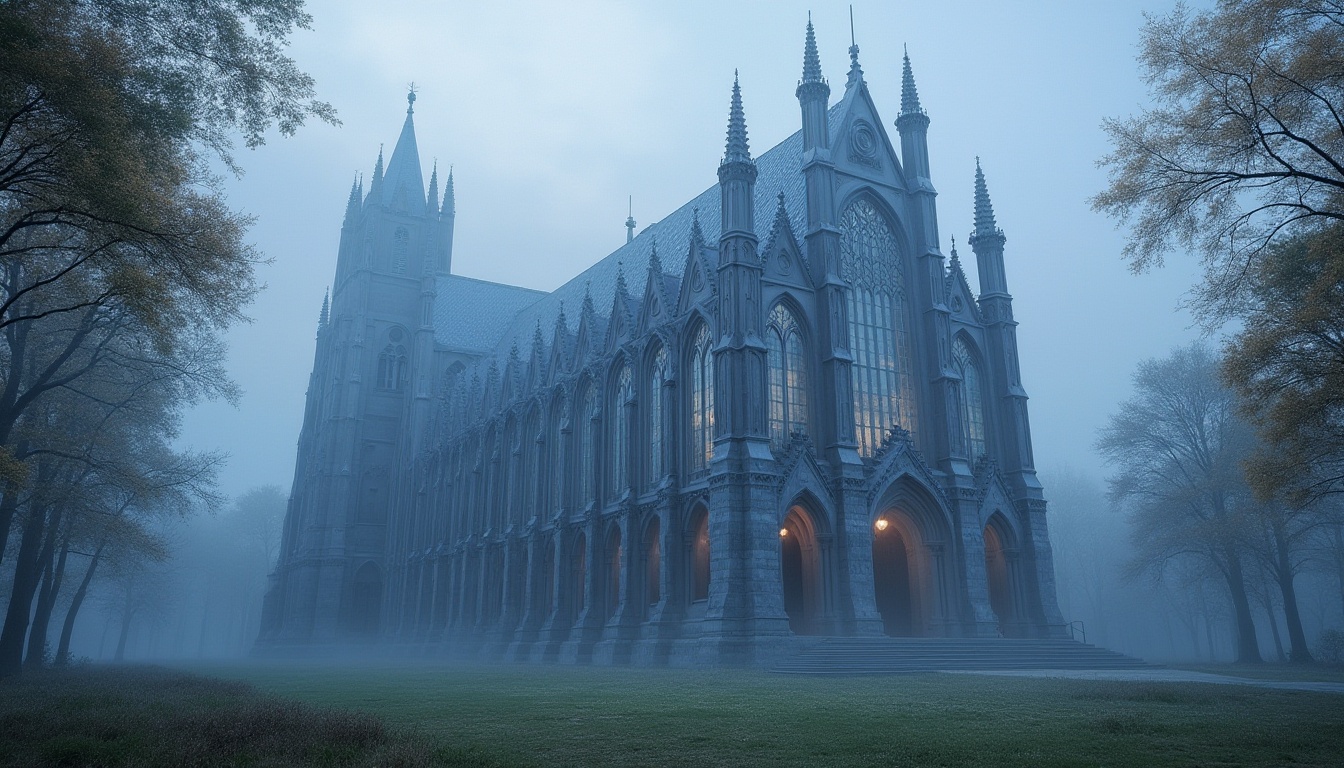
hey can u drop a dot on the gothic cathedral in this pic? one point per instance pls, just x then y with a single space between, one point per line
778 412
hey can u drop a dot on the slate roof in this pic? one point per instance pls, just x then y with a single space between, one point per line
778 170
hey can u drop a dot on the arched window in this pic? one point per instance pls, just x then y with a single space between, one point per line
555 469
788 375
702 400
530 478
972 400
878 337
620 429
657 382
392 368
587 434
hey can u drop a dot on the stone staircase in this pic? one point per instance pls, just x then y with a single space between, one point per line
890 655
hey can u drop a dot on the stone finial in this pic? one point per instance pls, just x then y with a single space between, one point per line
432 199
655 263
376 183
737 150
984 210
811 59
909 94
449 201
855 71
697 234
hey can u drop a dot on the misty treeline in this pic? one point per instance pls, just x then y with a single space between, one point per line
120 265
1229 465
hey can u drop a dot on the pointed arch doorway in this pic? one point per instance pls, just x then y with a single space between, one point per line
801 571
904 575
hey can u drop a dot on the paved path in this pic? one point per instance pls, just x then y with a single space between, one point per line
1162 675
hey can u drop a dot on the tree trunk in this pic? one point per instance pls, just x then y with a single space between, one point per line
68 628
1248 649
128 610
1274 630
8 506
1339 561
51 588
1283 570
26 575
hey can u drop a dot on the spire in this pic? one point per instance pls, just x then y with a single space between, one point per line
405 184
855 71
622 291
326 308
561 323
432 201
811 59
449 201
538 343
956 261
984 210
697 235
655 263
587 310
630 220
737 150
352 204
909 94
376 183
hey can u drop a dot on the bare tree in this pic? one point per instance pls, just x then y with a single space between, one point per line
1244 144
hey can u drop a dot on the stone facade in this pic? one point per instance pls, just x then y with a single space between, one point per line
779 411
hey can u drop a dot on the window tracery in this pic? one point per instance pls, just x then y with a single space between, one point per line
702 399
620 429
972 400
878 336
657 381
787 375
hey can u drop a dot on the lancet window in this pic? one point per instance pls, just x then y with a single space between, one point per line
702 399
392 365
972 400
623 393
788 375
878 326
657 381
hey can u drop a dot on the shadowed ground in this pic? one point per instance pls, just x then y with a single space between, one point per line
591 716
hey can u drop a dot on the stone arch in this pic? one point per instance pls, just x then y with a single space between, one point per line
576 581
910 536
652 551
366 597
803 565
697 529
1001 578
611 571
543 600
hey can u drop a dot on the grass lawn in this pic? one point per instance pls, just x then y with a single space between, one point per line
1322 673
562 716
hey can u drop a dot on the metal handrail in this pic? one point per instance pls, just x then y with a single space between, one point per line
1082 630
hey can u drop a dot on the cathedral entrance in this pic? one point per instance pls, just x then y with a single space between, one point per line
999 578
800 567
901 575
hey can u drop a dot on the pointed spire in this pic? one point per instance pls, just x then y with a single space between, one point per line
538 343
622 290
737 150
697 235
449 199
588 310
630 220
405 184
811 59
352 204
855 71
376 183
909 94
956 261
326 308
655 263
561 323
777 226
984 210
432 201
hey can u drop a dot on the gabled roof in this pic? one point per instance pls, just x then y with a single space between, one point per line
778 170
469 313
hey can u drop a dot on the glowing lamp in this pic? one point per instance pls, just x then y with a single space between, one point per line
783 532
881 524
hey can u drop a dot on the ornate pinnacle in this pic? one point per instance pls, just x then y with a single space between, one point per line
655 263
432 199
737 150
811 60
855 71
621 289
326 307
984 210
909 94
697 236
449 202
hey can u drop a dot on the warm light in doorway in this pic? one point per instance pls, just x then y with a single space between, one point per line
881 524
783 532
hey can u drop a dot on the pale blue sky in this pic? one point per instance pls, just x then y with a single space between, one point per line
552 113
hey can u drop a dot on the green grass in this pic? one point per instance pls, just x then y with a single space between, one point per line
146 716
562 716
1319 673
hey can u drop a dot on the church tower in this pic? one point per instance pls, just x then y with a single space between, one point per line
368 402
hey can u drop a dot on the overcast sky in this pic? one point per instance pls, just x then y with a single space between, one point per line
553 113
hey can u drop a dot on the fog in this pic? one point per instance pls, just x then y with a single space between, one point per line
555 116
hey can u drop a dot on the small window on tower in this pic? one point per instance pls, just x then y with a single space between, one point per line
392 364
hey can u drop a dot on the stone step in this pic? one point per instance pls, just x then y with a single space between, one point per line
865 656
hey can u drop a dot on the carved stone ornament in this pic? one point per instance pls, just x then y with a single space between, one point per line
863 144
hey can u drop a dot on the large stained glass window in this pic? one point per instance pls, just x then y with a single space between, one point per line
702 400
878 326
788 375
623 393
657 381
972 400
